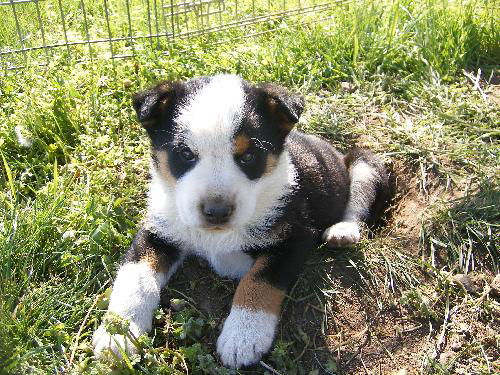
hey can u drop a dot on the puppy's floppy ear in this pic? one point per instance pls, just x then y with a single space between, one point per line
282 106
152 104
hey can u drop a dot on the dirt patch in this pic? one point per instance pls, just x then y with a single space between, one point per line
413 196
348 330
470 338
404 216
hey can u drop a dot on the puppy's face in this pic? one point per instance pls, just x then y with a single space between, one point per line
217 143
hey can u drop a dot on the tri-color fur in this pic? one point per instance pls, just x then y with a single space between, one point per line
232 184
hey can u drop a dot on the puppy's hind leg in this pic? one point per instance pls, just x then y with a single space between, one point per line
368 195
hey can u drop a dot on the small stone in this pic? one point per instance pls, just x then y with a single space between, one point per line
446 357
402 371
464 281
177 304
69 234
495 286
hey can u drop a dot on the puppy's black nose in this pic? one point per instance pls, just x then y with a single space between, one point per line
217 211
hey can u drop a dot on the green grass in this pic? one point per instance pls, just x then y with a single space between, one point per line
391 76
466 231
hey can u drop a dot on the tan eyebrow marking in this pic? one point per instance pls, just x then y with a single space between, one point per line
271 162
241 144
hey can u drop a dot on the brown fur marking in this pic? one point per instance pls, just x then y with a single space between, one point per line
162 167
255 294
271 163
241 144
155 260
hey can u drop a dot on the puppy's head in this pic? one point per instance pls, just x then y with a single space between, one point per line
217 143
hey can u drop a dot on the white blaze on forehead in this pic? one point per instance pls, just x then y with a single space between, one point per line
212 113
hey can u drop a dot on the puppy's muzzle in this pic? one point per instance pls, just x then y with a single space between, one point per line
217 211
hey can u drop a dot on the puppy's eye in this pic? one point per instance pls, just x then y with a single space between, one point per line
247 158
186 154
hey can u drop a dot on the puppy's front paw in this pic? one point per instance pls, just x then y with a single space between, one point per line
246 337
106 344
345 233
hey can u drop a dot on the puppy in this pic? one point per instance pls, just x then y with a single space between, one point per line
233 184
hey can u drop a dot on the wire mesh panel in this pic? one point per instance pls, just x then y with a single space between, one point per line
38 31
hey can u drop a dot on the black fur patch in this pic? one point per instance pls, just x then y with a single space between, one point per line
286 259
257 166
177 164
147 243
323 178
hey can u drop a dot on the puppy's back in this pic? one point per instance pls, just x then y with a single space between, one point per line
323 178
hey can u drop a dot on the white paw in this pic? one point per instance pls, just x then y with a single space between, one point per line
345 233
108 346
246 337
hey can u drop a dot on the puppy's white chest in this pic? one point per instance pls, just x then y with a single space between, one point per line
221 250
233 264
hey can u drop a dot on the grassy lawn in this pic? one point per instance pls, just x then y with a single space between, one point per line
417 81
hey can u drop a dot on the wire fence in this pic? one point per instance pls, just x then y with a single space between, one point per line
35 31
